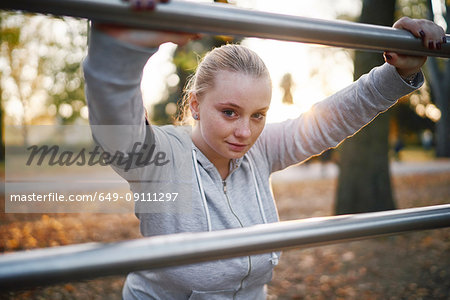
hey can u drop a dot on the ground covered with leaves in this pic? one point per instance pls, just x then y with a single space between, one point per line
408 266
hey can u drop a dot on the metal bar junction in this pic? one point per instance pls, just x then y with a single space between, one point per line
228 20
26 269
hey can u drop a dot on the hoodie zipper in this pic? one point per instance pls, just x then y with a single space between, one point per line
242 226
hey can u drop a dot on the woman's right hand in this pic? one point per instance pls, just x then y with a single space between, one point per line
143 37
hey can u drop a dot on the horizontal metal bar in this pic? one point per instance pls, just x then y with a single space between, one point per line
84 261
225 19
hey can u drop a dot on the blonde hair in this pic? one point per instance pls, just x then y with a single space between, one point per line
230 57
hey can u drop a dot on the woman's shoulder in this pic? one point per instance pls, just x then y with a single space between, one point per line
173 130
173 135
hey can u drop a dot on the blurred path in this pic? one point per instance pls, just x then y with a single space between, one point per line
315 171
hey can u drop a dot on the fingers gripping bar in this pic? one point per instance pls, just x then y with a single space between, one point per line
228 20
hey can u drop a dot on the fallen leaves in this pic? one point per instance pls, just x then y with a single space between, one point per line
409 266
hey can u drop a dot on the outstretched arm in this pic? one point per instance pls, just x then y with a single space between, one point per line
330 121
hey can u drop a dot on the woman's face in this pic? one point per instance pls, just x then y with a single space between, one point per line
232 115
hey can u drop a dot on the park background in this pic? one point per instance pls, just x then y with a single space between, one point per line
41 84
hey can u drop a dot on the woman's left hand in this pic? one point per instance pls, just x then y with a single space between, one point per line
432 35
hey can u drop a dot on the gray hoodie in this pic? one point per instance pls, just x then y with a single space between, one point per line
113 73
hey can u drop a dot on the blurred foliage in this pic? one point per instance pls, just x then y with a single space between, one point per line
10 36
41 68
408 123
429 105
405 120
416 9
438 73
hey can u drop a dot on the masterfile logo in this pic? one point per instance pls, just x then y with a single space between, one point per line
96 169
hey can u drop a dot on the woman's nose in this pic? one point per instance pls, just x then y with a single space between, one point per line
243 130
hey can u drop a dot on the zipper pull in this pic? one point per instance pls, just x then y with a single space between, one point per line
224 186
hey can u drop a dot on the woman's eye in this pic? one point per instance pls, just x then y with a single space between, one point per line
258 116
228 113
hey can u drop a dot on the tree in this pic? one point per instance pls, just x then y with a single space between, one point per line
364 182
41 74
5 35
286 85
438 73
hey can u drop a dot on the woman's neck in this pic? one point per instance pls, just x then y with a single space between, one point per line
221 163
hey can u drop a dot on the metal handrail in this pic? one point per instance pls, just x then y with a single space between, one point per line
46 266
83 261
224 19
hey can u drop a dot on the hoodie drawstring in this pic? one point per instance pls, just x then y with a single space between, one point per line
274 258
202 191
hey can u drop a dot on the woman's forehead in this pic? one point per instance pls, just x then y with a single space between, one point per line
240 89
239 81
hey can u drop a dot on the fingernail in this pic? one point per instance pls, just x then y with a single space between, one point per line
388 57
151 5
422 33
137 5
444 39
438 46
430 45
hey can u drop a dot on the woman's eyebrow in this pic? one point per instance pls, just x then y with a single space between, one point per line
232 104
229 104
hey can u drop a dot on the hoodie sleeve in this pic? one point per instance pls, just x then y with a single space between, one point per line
332 120
113 73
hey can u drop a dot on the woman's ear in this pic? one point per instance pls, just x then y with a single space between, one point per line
194 105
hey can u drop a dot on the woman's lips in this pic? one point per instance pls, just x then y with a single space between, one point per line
237 147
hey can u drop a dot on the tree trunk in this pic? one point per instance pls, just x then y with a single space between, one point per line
364 182
443 125
440 90
2 128
2 125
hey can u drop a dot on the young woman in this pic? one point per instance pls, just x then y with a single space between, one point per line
230 152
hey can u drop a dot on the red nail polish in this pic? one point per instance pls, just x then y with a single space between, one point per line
388 57
137 5
430 45
151 5
444 39
422 33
